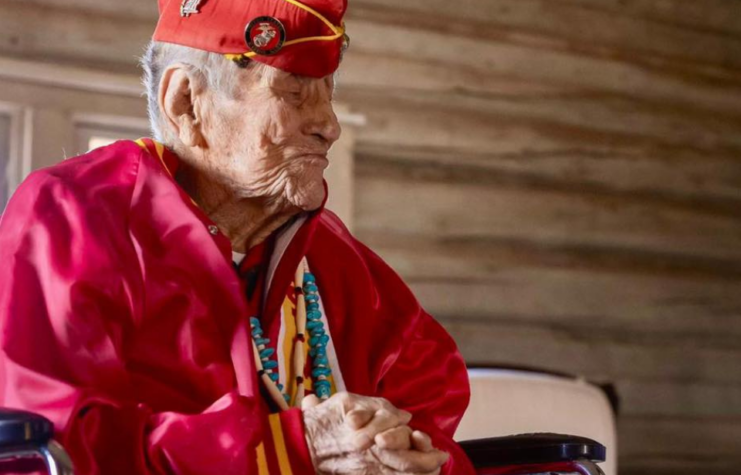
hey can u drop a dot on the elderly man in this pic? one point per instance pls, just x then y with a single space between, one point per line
188 306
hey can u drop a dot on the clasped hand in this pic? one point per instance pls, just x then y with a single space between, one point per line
356 434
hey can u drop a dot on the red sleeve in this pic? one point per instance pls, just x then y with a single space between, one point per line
418 366
110 437
429 379
65 295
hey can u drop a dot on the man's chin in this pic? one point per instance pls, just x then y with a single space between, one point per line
308 196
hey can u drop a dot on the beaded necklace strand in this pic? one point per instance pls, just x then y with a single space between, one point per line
308 317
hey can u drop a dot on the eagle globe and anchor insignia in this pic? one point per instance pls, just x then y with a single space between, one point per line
265 35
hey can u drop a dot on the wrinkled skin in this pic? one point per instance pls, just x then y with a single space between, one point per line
272 138
352 434
256 156
251 159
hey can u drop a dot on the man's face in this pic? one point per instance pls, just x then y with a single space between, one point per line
271 136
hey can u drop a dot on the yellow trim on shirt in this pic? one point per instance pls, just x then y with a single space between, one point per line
262 460
280 444
159 148
289 335
288 320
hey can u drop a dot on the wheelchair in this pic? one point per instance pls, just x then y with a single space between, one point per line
24 435
27 444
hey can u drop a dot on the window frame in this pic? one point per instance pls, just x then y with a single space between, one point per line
87 126
19 158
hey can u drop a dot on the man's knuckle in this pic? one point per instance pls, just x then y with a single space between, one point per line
345 399
383 413
384 402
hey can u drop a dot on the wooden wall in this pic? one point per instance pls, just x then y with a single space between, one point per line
560 183
558 180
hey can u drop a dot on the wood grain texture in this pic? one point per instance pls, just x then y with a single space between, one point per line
580 26
613 290
521 129
669 399
52 33
598 355
534 63
679 445
558 180
680 403
568 217
110 38
680 176
140 9
619 120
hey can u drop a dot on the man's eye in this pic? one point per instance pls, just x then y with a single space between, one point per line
295 96
290 94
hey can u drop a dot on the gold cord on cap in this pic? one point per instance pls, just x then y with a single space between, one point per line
339 32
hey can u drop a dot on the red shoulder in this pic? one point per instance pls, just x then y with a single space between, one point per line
93 187
114 164
332 223
355 262
100 173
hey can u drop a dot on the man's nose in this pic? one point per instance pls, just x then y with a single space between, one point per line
324 123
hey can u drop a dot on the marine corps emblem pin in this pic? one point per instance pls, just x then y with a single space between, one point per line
265 35
189 7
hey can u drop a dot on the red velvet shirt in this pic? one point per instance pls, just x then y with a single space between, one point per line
124 322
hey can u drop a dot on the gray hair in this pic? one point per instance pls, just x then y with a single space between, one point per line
216 71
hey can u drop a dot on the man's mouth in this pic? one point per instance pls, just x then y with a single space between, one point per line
316 158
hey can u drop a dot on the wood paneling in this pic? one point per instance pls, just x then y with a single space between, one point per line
680 401
531 63
679 175
111 42
606 289
560 183
627 121
558 180
115 38
594 353
142 9
679 446
673 398
678 31
558 217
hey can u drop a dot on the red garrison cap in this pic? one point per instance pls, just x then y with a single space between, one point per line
304 37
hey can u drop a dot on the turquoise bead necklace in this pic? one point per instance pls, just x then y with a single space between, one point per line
308 317
318 340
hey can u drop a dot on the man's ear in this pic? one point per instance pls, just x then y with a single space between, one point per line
178 97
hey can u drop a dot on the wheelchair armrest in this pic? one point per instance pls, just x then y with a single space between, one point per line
18 428
532 449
